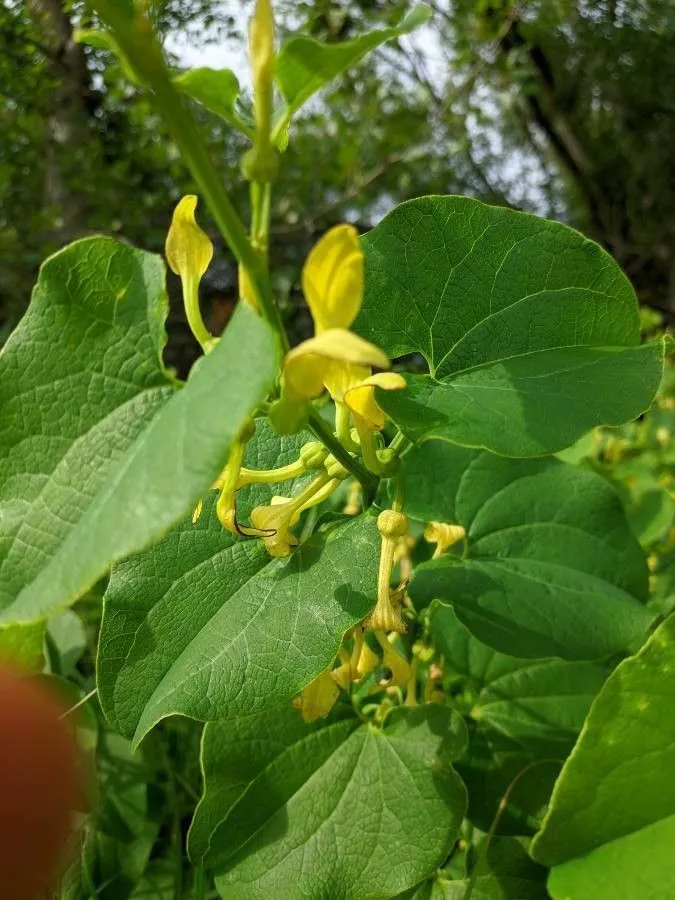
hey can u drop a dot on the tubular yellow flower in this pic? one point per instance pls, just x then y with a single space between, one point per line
332 279
276 522
386 616
189 252
443 535
397 665
318 698
335 359
360 398
366 661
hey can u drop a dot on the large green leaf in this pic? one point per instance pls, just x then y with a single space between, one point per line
237 763
348 813
107 454
304 66
207 625
551 567
538 704
615 797
530 330
79 379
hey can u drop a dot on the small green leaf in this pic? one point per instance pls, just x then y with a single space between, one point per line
539 704
304 66
108 464
618 780
207 625
216 89
530 330
504 872
377 815
551 567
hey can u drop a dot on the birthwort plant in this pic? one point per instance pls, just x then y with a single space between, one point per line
393 606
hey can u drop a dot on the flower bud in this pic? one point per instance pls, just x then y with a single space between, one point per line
392 524
313 455
335 468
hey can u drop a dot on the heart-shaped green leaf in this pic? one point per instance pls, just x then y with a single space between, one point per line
390 795
540 704
551 567
530 331
207 625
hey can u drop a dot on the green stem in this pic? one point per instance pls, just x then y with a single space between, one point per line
194 314
399 495
319 427
400 442
199 890
271 476
143 55
368 450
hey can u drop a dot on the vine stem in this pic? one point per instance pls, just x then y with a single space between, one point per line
144 56
199 883
503 803
322 431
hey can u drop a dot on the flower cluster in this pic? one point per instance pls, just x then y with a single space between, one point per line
340 362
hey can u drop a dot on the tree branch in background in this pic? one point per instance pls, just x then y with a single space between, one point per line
67 125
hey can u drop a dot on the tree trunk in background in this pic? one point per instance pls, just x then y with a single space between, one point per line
68 129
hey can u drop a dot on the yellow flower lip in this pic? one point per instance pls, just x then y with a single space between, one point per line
333 278
189 250
317 699
309 365
361 397
275 521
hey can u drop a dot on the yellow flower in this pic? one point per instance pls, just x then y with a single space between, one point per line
443 535
189 252
392 659
275 523
332 281
366 662
336 359
360 398
318 698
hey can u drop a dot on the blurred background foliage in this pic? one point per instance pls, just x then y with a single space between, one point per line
560 107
